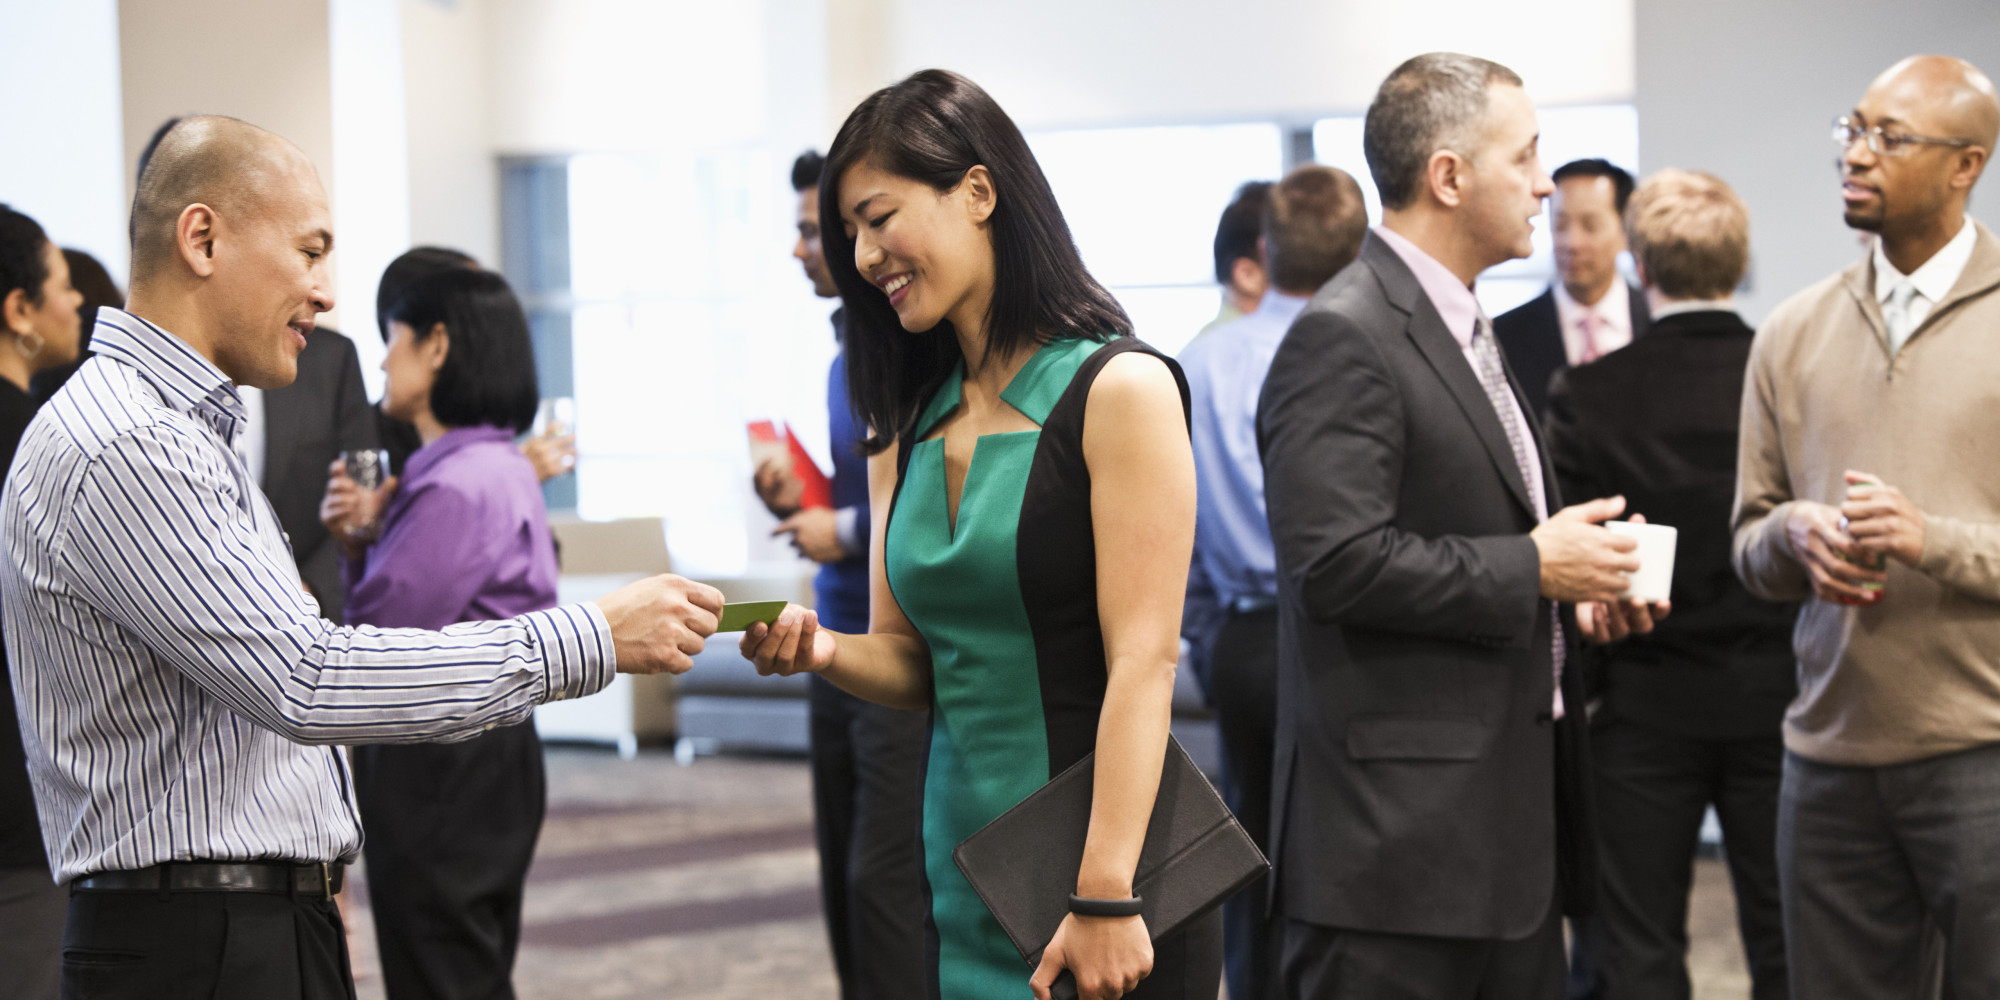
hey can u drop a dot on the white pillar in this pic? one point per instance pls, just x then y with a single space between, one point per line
371 163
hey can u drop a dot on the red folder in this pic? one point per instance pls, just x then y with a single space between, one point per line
765 444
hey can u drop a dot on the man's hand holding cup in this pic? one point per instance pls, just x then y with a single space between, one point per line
1587 564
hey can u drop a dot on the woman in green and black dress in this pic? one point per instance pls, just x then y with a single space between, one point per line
1034 501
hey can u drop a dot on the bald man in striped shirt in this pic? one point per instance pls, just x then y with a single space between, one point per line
182 702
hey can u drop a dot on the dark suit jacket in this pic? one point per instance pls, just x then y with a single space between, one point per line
306 426
1417 768
1531 337
1657 422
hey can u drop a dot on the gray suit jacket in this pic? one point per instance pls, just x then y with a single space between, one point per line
307 425
1418 777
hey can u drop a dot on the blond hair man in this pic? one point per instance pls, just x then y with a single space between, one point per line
1688 716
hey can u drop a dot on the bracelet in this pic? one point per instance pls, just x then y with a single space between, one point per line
1083 907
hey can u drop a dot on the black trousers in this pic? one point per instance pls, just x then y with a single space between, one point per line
32 909
866 761
204 946
1244 684
451 828
1334 963
1653 790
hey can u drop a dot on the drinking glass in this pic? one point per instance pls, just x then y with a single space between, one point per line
369 468
557 413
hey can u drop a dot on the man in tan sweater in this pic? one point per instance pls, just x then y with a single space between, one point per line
1871 428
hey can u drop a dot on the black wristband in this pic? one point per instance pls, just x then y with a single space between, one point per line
1104 907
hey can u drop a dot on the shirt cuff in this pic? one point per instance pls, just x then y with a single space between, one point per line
577 656
851 530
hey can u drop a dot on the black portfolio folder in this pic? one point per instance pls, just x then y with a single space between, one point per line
1024 864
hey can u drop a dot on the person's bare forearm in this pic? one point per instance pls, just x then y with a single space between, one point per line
886 668
1131 748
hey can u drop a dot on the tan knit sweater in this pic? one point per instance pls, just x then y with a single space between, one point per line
1917 674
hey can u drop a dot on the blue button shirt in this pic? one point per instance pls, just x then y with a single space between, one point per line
1233 557
842 587
1225 373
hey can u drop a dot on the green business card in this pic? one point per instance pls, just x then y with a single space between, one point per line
737 617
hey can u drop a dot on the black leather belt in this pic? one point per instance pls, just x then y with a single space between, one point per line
280 877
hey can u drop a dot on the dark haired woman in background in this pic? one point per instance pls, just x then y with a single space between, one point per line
39 329
1034 496
553 452
463 538
88 276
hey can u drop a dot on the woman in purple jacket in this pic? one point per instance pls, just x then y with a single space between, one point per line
464 537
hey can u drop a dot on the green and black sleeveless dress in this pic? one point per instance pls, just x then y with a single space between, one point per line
1007 601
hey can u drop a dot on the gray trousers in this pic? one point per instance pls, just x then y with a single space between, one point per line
1891 877
32 909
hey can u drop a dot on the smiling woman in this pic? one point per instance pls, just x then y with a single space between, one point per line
916 142
1033 489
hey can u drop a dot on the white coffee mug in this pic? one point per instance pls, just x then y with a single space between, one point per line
1654 582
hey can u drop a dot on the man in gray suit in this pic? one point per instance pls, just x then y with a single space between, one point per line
1429 825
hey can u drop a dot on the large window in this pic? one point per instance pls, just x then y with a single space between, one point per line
1143 204
675 316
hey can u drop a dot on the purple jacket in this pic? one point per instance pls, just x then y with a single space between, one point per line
466 539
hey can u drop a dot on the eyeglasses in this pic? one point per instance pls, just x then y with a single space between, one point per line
1885 143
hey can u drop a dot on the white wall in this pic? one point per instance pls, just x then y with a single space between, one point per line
269 64
1748 91
371 172
61 116
453 179
602 75
1056 63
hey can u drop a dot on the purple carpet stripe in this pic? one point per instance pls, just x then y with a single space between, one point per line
669 854
643 857
675 919
592 810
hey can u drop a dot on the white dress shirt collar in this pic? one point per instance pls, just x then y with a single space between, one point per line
1935 277
1674 308
1614 319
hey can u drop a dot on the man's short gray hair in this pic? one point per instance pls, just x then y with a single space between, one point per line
1431 102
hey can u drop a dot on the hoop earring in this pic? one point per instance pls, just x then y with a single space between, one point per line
30 344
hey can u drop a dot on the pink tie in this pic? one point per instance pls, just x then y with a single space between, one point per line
1589 352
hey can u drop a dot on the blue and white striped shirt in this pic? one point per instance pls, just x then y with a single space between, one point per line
180 696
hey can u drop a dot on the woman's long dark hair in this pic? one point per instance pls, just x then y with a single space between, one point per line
932 128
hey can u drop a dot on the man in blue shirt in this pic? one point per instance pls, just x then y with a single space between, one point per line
1313 223
865 757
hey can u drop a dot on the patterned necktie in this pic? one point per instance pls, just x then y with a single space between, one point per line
1589 352
1896 313
1493 378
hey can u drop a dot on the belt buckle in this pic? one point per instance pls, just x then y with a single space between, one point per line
326 879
